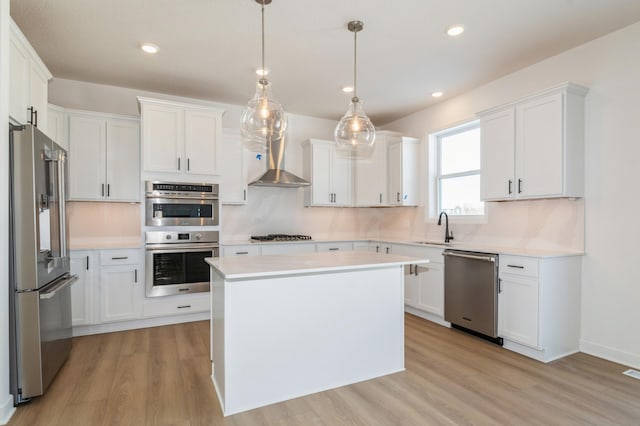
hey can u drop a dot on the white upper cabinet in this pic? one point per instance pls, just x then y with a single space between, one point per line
104 158
403 162
329 171
58 125
233 170
498 150
534 148
28 82
180 138
370 176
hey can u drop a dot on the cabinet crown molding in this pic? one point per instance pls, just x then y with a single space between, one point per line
185 105
567 87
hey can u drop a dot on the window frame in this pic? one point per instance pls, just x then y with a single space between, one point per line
435 175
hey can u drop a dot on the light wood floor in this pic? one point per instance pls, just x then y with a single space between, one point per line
162 376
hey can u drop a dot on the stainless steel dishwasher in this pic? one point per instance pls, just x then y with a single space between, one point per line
471 292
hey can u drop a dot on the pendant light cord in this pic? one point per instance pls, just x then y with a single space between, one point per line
263 70
355 64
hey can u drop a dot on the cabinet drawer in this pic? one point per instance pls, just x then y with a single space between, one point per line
516 265
335 246
119 257
176 306
245 250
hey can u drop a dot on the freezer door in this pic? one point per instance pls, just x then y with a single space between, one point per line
43 335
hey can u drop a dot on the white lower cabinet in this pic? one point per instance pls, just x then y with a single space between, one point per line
82 291
121 287
296 248
424 283
539 305
176 305
378 247
337 246
241 250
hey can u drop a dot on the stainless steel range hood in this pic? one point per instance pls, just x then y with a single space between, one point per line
277 175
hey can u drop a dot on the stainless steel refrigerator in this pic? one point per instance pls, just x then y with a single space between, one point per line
39 284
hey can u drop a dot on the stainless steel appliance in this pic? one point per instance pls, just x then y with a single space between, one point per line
175 261
279 237
471 292
181 204
276 175
39 278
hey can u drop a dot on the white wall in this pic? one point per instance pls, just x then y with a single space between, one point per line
610 67
6 401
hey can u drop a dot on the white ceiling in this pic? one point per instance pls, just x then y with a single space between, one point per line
209 49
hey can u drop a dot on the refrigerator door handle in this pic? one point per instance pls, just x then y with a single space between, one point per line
59 158
62 284
62 201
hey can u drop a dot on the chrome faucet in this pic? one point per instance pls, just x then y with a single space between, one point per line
448 235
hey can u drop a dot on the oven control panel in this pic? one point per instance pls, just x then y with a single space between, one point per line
169 237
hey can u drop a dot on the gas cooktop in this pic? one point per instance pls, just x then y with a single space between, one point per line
279 237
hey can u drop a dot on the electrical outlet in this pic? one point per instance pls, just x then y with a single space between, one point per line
632 373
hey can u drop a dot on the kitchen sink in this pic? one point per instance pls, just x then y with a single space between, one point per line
432 243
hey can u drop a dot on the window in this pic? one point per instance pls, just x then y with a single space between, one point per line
457 177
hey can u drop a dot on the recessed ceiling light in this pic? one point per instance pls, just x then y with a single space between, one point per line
347 89
262 72
437 94
150 48
455 30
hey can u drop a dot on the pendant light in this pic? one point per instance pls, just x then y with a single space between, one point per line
355 131
264 118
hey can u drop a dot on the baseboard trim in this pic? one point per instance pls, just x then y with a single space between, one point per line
610 354
6 410
85 330
428 316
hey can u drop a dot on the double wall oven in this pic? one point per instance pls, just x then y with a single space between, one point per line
182 221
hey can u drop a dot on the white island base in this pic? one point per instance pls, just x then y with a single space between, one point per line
288 326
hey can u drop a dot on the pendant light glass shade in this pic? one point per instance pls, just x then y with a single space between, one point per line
354 131
264 118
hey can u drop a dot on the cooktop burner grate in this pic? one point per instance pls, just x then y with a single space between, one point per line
280 237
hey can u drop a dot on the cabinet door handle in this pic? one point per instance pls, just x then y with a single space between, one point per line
120 258
516 266
30 120
334 248
244 195
108 190
519 186
410 269
184 306
510 183
102 190
242 252
178 163
87 263
188 164
397 196
381 198
135 275
387 250
377 249
499 285
36 115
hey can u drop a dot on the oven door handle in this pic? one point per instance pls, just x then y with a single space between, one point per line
182 197
174 248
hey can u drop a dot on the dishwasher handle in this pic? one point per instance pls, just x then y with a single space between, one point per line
485 258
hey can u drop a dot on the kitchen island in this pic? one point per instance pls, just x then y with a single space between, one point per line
285 326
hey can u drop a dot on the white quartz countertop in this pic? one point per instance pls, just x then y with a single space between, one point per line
243 267
456 245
